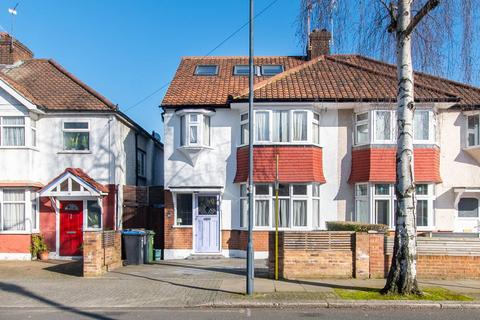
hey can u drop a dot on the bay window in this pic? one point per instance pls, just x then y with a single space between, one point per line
296 203
299 126
12 131
12 210
473 130
195 129
361 128
76 136
382 200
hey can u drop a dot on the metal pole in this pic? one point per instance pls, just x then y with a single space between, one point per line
250 254
276 217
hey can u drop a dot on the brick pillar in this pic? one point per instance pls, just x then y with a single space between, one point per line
93 263
271 254
377 255
362 256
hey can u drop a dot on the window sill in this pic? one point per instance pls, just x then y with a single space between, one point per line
74 152
286 144
182 227
18 148
15 232
195 147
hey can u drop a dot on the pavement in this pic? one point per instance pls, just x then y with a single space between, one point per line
190 284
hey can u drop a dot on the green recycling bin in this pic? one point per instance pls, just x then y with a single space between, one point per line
148 248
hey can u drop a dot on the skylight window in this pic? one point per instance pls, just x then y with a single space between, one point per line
272 69
241 70
206 70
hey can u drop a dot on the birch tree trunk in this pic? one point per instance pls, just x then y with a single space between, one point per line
402 277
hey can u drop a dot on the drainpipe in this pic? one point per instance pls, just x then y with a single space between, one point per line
136 159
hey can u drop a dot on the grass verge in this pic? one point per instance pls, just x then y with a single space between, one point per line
432 294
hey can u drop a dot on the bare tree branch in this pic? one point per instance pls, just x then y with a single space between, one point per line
429 6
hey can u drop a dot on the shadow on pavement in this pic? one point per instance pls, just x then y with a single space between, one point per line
70 268
174 283
12 288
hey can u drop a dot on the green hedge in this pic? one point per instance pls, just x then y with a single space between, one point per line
355 226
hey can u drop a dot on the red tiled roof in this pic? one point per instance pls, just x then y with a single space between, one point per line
326 78
378 165
295 164
48 85
83 176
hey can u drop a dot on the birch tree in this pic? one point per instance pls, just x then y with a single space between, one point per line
416 30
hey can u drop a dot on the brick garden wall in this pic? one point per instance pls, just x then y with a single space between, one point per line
102 251
323 254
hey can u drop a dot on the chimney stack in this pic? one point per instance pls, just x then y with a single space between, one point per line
12 50
319 43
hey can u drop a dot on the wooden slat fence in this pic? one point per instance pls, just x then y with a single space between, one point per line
315 241
441 246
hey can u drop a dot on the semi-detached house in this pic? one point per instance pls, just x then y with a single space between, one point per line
330 121
65 154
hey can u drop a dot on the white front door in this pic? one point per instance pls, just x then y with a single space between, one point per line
207 224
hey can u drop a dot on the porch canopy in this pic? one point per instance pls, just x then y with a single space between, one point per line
73 182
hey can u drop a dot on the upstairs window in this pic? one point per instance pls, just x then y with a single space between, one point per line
241 70
473 130
272 69
33 126
194 130
361 128
244 128
141 163
76 136
262 126
421 125
299 126
383 126
12 133
280 126
316 128
206 70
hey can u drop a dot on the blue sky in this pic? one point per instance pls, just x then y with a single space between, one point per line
127 49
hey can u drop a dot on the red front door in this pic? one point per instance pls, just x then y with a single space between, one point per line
71 225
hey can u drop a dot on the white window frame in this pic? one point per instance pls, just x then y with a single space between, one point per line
268 198
307 127
188 123
28 210
361 123
431 127
25 125
77 130
33 134
307 198
319 213
390 197
392 127
196 73
430 198
476 133
35 212
269 117
85 214
270 74
362 198
316 123
242 123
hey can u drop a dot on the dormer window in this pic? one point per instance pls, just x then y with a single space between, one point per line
194 129
206 70
271 69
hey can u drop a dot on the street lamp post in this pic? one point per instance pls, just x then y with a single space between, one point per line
250 254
